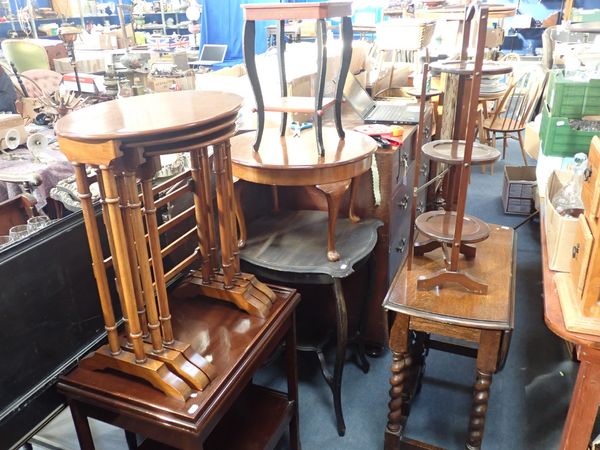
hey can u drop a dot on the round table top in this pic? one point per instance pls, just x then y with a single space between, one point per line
430 93
148 115
294 161
453 152
440 225
466 67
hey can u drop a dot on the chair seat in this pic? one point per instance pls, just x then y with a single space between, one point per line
294 241
503 125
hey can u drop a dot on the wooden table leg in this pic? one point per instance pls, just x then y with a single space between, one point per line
250 61
82 427
401 362
292 380
584 402
333 193
321 31
487 363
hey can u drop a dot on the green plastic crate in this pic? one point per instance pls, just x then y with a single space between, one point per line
559 139
572 99
580 15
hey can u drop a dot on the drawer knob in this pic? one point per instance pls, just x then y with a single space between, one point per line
404 202
401 245
575 251
420 208
424 168
404 160
587 174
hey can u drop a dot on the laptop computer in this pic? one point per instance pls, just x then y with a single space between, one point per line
378 112
212 54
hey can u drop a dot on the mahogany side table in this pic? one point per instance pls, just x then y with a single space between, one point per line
299 11
486 320
229 411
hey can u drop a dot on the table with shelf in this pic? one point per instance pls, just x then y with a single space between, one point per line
318 11
230 410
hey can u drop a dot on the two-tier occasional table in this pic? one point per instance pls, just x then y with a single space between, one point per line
486 320
281 12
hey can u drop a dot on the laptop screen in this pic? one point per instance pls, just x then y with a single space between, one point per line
213 53
359 99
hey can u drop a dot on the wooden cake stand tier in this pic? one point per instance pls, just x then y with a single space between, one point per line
453 152
459 67
440 225
122 139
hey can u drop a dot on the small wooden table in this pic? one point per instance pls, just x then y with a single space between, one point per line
230 411
289 161
453 312
585 399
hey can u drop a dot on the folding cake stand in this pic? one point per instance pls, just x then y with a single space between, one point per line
123 140
454 231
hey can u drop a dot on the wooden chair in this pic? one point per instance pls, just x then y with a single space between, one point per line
16 211
513 112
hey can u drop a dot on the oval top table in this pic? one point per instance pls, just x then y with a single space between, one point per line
291 161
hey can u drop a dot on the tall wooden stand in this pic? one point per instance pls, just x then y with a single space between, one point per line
122 139
453 231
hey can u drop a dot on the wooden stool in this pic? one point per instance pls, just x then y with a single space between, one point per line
286 247
123 139
486 320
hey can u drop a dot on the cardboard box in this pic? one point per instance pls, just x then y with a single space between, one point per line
63 65
518 192
560 231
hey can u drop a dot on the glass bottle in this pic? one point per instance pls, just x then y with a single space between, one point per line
125 89
567 201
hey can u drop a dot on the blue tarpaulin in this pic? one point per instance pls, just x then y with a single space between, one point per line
222 23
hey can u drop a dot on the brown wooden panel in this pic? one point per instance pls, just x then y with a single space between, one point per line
582 248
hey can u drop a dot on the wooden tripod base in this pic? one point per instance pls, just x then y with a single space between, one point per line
247 293
446 276
429 245
179 365
154 372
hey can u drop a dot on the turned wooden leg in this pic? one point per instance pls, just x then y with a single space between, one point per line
584 402
333 193
401 362
481 395
487 364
